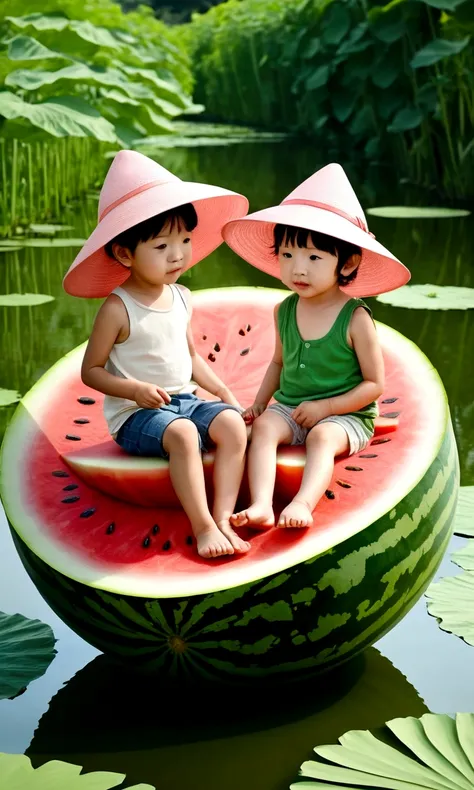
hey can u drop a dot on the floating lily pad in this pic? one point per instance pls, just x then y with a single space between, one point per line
18 774
451 601
39 242
430 297
24 300
26 651
464 521
10 247
417 212
7 397
435 751
48 229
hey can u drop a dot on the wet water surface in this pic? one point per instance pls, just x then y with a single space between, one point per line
89 711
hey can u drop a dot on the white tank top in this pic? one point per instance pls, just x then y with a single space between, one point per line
156 351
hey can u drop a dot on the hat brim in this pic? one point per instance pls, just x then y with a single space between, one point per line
251 237
93 274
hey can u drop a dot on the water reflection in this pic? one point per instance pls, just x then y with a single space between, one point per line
207 737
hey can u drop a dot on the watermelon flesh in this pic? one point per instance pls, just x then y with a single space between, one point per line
96 544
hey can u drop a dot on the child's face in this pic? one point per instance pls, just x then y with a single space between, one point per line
307 270
162 260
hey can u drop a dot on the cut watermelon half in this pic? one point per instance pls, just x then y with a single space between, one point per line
127 577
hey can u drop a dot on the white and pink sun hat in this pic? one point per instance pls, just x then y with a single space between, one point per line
326 203
135 189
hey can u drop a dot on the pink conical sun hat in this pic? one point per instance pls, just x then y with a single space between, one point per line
135 189
326 203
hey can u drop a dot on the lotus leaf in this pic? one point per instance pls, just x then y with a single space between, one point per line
437 50
430 297
26 651
434 751
464 521
24 300
417 212
59 116
48 229
18 774
7 397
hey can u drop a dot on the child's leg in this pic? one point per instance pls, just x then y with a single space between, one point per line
268 431
229 433
181 442
323 443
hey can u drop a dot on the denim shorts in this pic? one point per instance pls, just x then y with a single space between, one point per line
142 433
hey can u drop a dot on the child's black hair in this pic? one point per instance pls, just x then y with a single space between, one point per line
287 234
181 216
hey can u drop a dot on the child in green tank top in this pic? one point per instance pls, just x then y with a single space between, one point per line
327 369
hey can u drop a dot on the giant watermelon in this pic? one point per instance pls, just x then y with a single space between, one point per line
127 578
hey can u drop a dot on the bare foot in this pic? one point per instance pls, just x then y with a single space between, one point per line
256 516
240 546
296 514
211 542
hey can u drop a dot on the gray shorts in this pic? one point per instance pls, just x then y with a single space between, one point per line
357 433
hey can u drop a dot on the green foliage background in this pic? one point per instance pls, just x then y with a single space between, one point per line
384 81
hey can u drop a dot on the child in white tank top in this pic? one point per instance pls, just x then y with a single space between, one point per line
141 355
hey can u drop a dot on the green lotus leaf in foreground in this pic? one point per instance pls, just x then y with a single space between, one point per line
430 297
26 651
442 752
24 300
18 774
417 212
7 397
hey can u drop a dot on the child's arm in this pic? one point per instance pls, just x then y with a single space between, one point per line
110 324
271 380
367 348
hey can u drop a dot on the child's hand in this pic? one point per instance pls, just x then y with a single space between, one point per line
250 415
149 396
308 413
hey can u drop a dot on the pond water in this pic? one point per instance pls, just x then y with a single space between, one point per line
86 710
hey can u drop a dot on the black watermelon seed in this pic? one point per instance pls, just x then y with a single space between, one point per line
244 352
211 357
391 414
204 337
60 473
189 540
86 401
354 468
146 542
248 327
71 487
73 438
89 512
330 494
70 499
81 421
343 484
217 347
389 400
110 529
167 545
241 331
369 455
155 529
381 440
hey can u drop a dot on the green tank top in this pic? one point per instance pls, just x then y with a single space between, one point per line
322 368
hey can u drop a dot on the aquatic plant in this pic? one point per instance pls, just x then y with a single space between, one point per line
26 651
390 82
91 81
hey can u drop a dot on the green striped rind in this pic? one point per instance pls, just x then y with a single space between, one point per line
304 619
